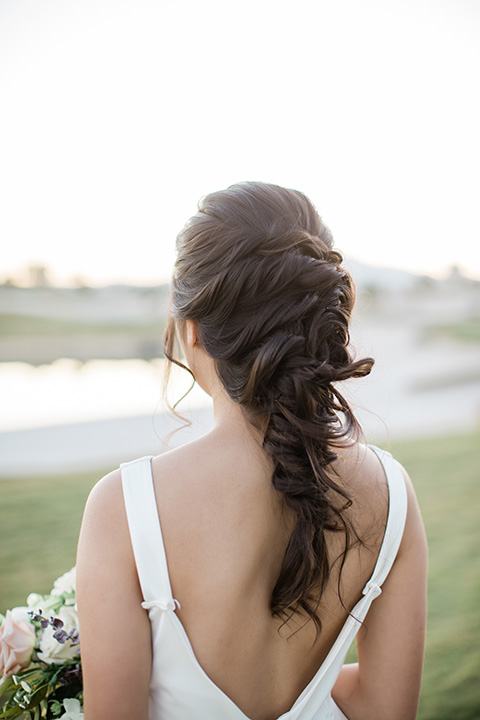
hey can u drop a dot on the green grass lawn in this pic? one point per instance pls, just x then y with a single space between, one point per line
40 520
468 330
39 525
446 475
28 325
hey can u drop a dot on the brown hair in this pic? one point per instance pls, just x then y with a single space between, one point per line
257 271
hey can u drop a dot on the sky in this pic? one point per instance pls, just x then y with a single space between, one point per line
116 116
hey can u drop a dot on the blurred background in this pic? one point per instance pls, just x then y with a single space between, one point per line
116 118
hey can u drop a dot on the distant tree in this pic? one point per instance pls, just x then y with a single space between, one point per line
38 276
425 282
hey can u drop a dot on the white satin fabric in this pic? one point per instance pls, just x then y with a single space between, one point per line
179 687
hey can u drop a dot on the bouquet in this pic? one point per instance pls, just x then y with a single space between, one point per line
40 668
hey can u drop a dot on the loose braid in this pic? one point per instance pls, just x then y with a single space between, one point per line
257 271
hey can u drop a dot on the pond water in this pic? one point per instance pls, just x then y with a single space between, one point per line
68 417
70 392
413 388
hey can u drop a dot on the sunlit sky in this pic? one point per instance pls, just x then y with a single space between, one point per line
117 115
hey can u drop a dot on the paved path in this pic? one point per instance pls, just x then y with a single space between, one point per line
101 445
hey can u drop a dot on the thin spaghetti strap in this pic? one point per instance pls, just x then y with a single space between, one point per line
146 534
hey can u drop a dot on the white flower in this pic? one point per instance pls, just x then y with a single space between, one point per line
45 605
52 651
73 710
34 600
65 583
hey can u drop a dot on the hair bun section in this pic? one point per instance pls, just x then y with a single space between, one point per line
270 319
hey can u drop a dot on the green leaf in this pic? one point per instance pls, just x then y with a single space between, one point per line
6 687
14 712
55 707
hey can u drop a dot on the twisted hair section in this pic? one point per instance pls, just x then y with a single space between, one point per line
257 270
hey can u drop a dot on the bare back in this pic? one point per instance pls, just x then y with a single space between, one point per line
225 530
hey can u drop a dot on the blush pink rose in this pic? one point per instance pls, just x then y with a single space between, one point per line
17 640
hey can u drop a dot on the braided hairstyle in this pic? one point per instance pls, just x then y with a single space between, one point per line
256 269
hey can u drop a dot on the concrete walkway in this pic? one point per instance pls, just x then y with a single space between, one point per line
100 445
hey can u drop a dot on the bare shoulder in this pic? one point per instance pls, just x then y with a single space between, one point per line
109 597
414 541
361 474
104 510
181 463
106 494
104 546
360 470
210 469
365 478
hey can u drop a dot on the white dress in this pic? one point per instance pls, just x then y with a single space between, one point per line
179 687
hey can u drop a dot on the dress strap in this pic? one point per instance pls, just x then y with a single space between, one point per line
397 513
146 534
397 510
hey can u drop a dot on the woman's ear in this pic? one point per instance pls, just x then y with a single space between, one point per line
191 333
